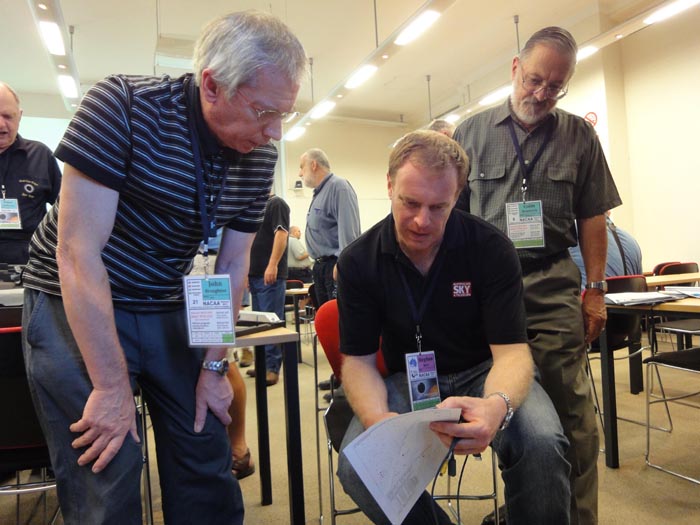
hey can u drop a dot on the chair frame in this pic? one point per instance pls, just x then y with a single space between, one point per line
663 398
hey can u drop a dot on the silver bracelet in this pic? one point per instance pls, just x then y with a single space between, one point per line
509 408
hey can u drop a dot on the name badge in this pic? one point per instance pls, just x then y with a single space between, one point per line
209 310
423 387
9 215
525 224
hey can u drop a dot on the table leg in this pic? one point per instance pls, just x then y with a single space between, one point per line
296 326
607 368
295 471
636 372
263 426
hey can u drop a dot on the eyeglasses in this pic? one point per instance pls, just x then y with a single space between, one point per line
534 85
267 116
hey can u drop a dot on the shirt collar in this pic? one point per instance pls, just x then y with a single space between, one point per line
318 188
207 140
18 144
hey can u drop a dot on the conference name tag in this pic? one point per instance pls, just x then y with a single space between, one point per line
525 224
209 310
423 387
9 215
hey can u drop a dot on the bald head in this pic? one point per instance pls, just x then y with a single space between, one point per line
10 115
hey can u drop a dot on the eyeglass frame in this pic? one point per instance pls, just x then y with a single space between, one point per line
266 115
560 94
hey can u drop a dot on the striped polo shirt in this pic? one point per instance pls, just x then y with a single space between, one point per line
132 135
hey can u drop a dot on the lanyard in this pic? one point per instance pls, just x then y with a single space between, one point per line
417 313
208 216
528 168
5 169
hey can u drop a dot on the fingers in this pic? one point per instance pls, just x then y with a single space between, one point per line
200 414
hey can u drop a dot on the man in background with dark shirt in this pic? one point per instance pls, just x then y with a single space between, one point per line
29 180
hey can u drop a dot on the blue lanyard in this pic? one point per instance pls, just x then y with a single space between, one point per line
527 169
208 217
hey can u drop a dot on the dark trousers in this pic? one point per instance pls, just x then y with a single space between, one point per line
195 468
324 285
305 275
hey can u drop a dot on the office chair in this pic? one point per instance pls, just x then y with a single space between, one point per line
686 361
684 329
22 443
623 331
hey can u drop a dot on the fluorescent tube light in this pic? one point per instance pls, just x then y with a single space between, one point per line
294 133
322 109
67 85
670 10
586 52
495 96
360 76
417 27
452 118
52 38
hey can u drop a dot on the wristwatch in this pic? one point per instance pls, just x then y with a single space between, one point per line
220 367
509 408
597 285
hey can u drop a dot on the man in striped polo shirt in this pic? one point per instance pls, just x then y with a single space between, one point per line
151 166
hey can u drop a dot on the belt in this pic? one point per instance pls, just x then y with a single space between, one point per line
542 263
326 258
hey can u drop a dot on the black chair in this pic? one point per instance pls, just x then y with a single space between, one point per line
684 329
22 443
683 360
623 331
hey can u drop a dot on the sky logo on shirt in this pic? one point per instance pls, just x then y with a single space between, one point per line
462 289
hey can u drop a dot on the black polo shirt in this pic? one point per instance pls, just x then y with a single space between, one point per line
276 217
477 299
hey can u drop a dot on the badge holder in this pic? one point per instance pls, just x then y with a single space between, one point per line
209 310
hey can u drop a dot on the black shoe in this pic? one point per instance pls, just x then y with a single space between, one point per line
491 518
324 385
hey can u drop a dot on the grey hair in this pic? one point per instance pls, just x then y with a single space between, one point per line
441 126
556 37
237 45
12 91
319 156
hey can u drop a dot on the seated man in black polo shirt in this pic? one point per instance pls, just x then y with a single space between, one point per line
433 279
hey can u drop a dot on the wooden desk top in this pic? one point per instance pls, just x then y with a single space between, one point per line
297 291
663 280
268 337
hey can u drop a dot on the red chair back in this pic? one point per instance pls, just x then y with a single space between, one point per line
328 332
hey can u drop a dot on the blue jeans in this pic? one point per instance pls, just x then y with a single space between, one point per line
195 469
530 455
269 299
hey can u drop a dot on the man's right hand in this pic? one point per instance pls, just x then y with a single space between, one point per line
107 417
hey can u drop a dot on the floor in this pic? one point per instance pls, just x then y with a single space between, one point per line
633 494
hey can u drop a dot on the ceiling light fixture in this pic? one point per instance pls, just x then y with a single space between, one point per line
294 133
585 52
322 109
417 27
51 35
670 10
54 33
384 50
361 76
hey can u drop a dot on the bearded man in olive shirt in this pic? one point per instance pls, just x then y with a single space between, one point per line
535 170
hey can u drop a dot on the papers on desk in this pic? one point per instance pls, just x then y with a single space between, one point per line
686 291
398 457
632 298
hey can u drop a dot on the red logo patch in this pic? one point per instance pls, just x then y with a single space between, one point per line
462 289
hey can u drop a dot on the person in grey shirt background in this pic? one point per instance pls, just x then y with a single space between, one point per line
333 220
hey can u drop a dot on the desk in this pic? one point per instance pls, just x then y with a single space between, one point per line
289 340
296 294
666 280
685 308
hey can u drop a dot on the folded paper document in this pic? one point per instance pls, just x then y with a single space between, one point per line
688 291
397 458
632 298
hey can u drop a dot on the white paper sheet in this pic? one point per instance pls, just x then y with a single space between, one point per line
398 457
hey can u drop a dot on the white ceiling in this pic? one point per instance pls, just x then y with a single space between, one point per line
466 52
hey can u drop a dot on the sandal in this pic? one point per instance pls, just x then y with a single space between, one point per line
243 467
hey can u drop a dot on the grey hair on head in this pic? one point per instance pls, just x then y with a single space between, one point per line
319 156
237 45
556 37
12 91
